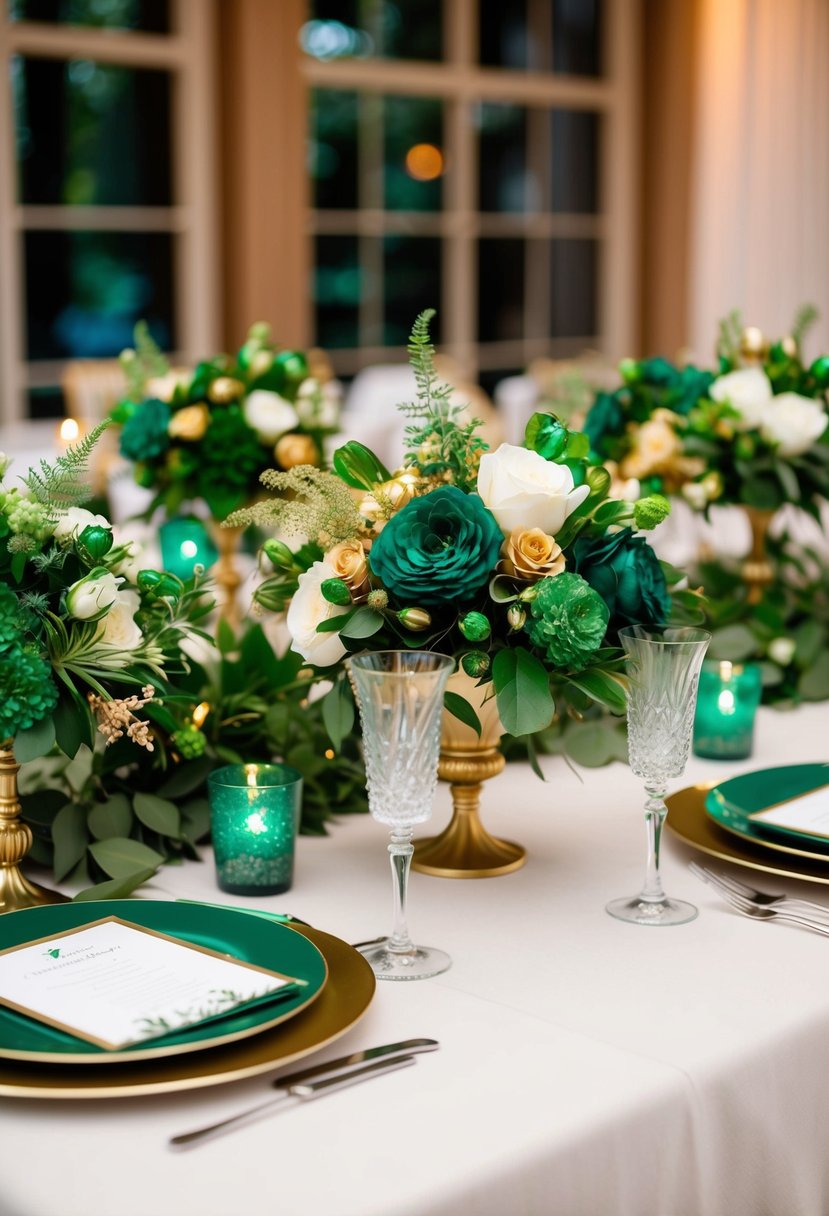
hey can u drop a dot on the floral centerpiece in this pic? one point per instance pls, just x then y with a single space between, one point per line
205 436
753 432
88 639
515 561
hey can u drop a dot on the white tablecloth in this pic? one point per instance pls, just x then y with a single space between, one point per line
586 1066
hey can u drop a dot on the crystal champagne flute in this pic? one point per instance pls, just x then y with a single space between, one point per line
400 697
663 666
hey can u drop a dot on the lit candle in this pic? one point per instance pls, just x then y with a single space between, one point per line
729 694
254 816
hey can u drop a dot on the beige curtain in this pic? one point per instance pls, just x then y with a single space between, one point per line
759 231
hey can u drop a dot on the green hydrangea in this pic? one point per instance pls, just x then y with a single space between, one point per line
27 690
229 433
145 435
10 623
190 742
29 517
568 621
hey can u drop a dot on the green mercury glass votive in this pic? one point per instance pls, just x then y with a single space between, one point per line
254 818
729 694
185 543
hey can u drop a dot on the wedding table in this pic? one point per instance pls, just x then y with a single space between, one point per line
586 1065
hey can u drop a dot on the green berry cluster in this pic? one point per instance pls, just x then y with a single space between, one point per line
190 742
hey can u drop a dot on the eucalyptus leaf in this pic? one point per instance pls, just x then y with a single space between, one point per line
813 684
110 818
522 689
121 857
158 814
461 709
338 713
69 839
733 642
810 638
591 744
189 775
364 624
195 819
37 741
41 806
115 888
603 687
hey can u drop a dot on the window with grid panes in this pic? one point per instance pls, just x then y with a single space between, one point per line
479 158
103 219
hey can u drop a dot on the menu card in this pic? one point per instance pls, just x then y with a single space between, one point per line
115 984
808 813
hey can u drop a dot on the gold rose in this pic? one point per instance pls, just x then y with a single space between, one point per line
348 561
528 554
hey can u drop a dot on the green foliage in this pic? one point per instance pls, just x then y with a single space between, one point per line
437 444
62 484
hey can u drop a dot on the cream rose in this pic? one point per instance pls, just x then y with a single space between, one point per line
92 596
348 561
793 423
163 387
73 521
307 608
523 490
269 415
656 449
118 628
318 405
749 391
530 554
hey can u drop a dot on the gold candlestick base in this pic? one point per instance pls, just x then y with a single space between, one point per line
465 848
16 891
226 572
756 571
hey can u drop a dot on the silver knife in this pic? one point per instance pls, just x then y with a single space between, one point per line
320 1079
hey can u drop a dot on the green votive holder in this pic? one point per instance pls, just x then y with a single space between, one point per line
729 694
254 818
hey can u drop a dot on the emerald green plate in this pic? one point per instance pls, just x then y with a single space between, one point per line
252 939
731 803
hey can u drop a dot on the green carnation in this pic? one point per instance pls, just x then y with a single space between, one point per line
230 434
568 621
439 549
605 420
625 571
27 690
145 436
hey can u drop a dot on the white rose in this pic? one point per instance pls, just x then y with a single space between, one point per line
269 415
127 559
749 391
307 608
523 490
73 521
118 628
318 404
793 423
163 387
92 596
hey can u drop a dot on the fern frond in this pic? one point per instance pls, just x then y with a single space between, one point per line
63 484
805 318
730 333
142 362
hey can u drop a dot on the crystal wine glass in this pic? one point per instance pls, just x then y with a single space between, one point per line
400 696
663 666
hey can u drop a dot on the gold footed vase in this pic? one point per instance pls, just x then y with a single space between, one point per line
16 891
756 571
226 572
465 848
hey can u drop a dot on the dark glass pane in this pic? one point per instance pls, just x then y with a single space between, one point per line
337 284
500 290
390 29
45 403
502 159
503 34
577 37
411 282
573 273
150 16
575 161
333 149
88 133
414 159
86 290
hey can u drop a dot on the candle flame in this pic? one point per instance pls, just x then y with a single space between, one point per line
250 774
726 670
69 430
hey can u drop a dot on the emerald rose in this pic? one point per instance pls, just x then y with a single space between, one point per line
439 549
567 622
625 571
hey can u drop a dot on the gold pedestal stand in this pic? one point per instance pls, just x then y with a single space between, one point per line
465 848
226 572
756 571
16 891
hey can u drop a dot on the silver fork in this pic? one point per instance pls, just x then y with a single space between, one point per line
758 912
761 898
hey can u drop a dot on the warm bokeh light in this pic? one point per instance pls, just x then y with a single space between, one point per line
200 713
424 162
189 548
69 430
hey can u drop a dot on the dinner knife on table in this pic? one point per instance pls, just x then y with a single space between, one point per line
320 1079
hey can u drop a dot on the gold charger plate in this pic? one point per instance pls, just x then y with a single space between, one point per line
342 1002
689 822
